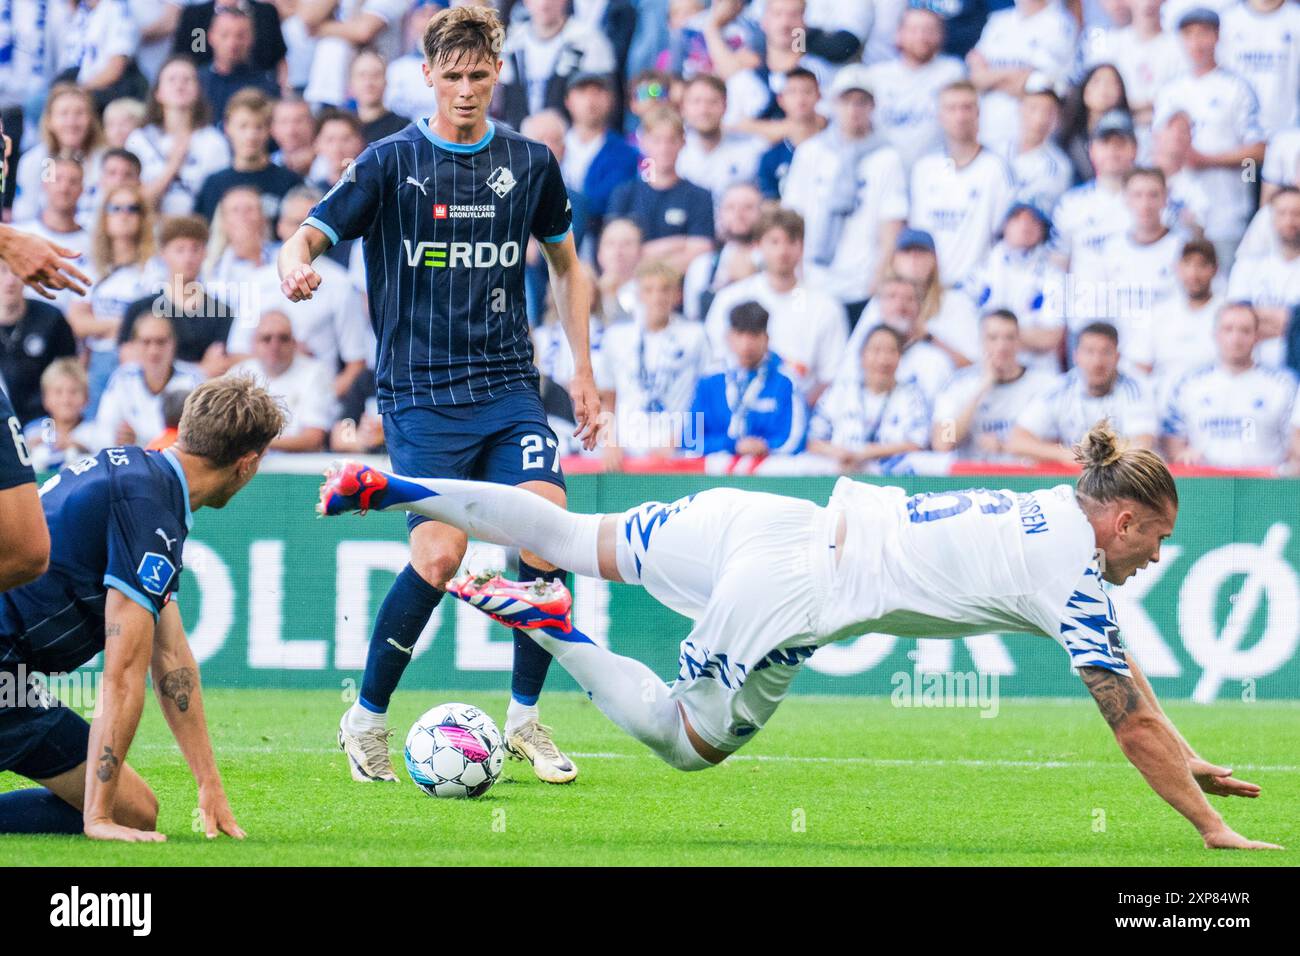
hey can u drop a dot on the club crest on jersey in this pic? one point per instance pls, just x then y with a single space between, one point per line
155 573
501 181
1116 642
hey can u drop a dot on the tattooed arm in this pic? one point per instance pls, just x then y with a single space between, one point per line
129 632
1148 741
176 683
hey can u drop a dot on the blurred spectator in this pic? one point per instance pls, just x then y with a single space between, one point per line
302 382
649 369
1189 203
338 142
230 70
964 21
1226 129
366 85
924 362
686 50
871 423
32 335
714 158
69 129
97 50
960 195
1041 171
1146 56
173 406
1259 40
756 76
649 90
57 220
1094 389
734 259
1020 277
120 167
849 185
549 128
294 133
239 247
177 147
120 248
675 216
977 409
248 127
906 86
1034 36
1099 93
1272 283
541 52
406 93
596 159
617 255
64 431
268 41
122 117
1179 334
798 101
554 359
807 327
1281 163
341 28
751 407
131 410
1232 413
202 323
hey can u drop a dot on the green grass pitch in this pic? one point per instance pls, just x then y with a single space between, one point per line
829 781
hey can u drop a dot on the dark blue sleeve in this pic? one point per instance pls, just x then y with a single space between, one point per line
350 207
554 215
15 460
768 184
141 564
699 214
620 200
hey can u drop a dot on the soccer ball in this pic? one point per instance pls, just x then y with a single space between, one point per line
454 750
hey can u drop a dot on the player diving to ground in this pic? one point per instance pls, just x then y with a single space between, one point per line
769 579
118 523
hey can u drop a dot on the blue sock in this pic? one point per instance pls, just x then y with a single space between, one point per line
532 661
403 615
37 810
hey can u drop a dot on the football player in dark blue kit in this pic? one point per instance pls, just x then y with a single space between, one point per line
445 209
24 540
118 522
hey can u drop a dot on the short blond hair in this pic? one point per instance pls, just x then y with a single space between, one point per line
661 117
225 418
65 368
658 269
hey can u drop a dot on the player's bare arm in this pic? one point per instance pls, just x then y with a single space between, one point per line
180 695
1145 737
24 537
43 266
298 277
573 301
129 636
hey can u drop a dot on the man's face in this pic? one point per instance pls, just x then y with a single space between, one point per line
1001 343
739 212
1199 41
1286 218
920 35
959 115
658 297
242 215
463 89
291 125
11 287
880 357
1038 115
231 38
64 398
273 344
157 344
248 133
183 258
1173 140
1024 230
1098 361
1137 534
853 109
367 79
589 105
338 143
1113 155
546 14
781 254
781 19
115 172
1146 198
1196 273
620 249
292 214
900 306
1236 332
64 188
799 99
702 108
661 146
547 130
748 347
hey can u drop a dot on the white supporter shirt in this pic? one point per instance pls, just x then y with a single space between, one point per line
1044 41
541 58
907 108
733 160
950 564
208 153
851 416
110 297
1282 158
405 92
307 388
1233 420
95 36
1136 277
1042 174
128 399
1086 218
1144 65
1264 49
554 358
1225 116
332 56
805 326
997 411
1030 286
653 376
1188 206
1176 339
1068 410
961 208
1266 283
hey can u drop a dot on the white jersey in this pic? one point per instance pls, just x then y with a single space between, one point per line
733 160
907 107
1266 283
1086 218
554 358
949 564
1264 49
1233 420
111 296
1144 65
1042 174
805 326
1175 339
1188 206
1068 410
127 399
1135 278
1225 116
307 388
962 208
1030 286
997 411
332 56
1282 158
208 153
852 416
653 375
1043 41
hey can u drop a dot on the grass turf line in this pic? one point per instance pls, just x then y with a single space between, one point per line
870 784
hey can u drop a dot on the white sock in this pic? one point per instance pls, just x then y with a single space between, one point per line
358 720
518 714
501 514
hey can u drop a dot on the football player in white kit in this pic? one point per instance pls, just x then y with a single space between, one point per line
769 579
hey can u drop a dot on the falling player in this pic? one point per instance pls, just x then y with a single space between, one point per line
445 208
769 579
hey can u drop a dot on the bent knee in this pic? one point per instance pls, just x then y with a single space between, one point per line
437 567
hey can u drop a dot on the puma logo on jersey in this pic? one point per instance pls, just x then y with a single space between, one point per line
501 181
418 184
170 542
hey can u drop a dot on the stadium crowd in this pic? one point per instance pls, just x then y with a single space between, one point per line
834 235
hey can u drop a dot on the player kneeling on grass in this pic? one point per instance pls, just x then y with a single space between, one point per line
769 579
118 523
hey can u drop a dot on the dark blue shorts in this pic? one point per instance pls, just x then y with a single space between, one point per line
506 441
39 738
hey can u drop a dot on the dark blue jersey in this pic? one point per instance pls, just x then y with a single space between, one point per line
117 520
15 461
444 229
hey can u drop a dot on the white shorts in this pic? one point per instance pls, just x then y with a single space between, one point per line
754 571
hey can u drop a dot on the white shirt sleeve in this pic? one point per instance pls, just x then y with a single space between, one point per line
1038 418
1089 629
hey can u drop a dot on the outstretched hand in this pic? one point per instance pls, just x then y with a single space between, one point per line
1219 781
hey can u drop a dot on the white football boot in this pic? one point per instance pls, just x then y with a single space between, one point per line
367 752
532 741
